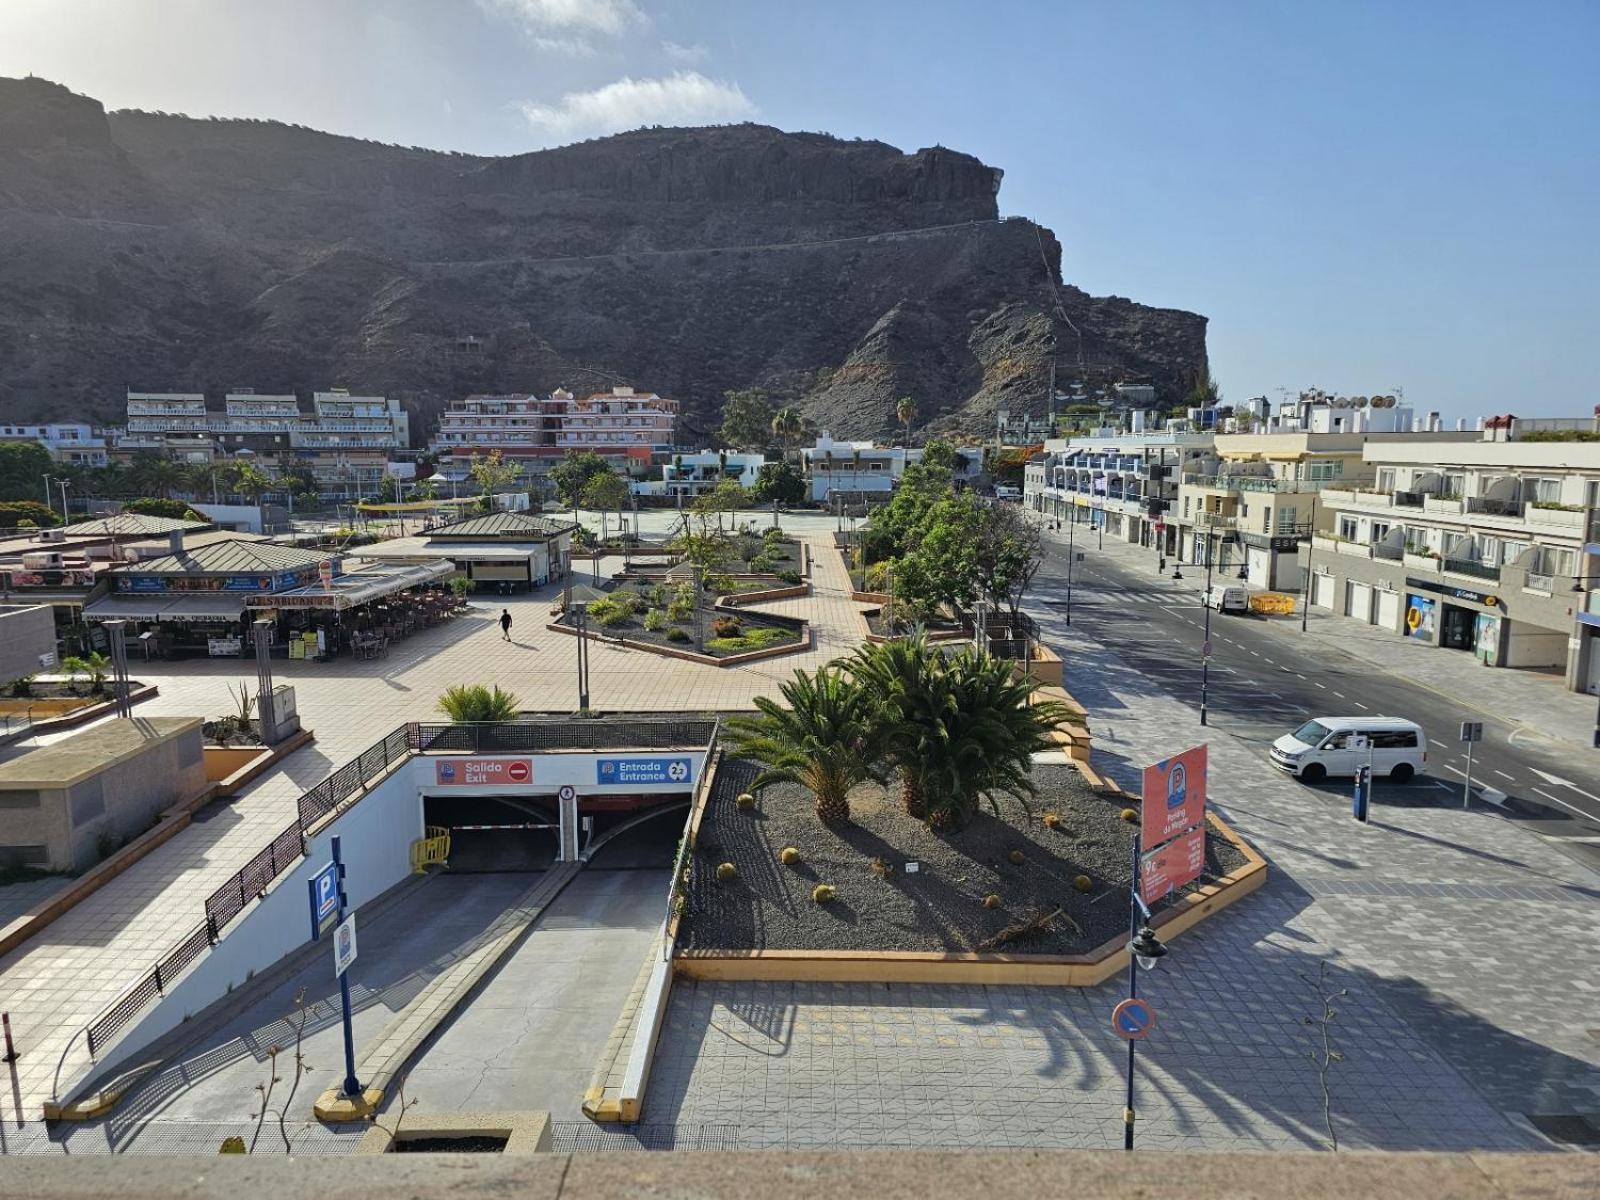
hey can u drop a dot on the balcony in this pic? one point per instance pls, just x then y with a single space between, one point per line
1212 520
1385 551
1444 505
1494 508
1472 568
1563 518
1420 560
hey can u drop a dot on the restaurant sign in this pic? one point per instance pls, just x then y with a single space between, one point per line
203 583
1455 593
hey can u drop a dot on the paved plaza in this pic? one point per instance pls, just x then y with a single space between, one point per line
1463 944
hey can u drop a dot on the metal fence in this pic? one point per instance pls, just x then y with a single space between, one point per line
349 782
596 734
250 882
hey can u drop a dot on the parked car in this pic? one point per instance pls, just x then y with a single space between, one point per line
1328 746
1226 599
1007 491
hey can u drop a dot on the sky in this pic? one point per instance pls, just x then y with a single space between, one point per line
1361 196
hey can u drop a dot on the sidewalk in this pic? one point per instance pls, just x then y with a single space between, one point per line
1538 701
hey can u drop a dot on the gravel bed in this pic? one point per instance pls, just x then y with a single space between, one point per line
940 906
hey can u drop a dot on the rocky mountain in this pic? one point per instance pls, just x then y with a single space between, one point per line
167 253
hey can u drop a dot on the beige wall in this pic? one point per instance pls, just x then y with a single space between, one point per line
25 634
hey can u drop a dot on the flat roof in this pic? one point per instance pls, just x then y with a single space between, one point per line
357 587
64 763
420 548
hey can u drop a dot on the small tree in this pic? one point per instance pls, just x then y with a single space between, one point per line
572 474
746 419
605 494
779 481
94 665
493 474
467 704
1010 550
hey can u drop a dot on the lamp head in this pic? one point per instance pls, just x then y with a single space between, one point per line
1147 949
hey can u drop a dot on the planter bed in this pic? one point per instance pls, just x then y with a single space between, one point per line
942 630
938 909
763 633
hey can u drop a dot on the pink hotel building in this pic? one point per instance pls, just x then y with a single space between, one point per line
621 424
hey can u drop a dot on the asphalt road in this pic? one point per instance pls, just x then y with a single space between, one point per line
1262 682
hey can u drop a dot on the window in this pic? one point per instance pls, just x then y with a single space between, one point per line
1288 515
1394 739
1455 484
1380 530
1347 528
1542 491
1311 733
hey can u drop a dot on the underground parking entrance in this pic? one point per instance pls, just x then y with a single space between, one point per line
521 833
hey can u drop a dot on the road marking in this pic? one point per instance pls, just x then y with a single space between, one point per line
1339 694
1323 686
1557 781
1503 775
1564 804
1360 705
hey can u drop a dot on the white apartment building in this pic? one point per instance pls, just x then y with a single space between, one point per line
1486 546
346 440
691 475
1125 483
853 469
73 442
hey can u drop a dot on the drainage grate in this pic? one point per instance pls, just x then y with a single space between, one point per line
1570 1129
582 1136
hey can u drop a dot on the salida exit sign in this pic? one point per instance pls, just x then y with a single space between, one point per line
482 772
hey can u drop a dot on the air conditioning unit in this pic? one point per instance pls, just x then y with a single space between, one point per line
44 560
52 535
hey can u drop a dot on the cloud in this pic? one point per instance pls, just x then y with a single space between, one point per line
610 17
683 98
571 47
684 54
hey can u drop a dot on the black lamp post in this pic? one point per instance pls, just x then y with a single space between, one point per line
1072 545
1144 950
1205 645
1305 591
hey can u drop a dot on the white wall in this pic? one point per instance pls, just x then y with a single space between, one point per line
377 833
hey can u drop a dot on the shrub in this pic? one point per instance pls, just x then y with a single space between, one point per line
792 578
157 506
726 871
877 577
628 602
1052 820
879 867
1131 816
1083 883
678 635
1016 858
823 893
789 856
659 595
656 620
771 534
745 800
468 702
991 901
764 564
27 514
682 606
726 627
722 585
608 612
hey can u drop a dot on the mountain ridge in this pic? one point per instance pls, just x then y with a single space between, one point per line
174 253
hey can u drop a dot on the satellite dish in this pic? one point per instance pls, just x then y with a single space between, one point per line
1359 401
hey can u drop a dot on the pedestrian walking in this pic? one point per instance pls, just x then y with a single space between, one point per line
505 624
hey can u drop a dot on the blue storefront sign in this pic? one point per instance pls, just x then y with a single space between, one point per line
644 770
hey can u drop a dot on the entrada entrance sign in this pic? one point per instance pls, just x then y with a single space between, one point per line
644 770
482 772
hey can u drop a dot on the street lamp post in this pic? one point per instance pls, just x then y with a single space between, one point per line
63 484
1305 589
1144 950
1072 545
1205 647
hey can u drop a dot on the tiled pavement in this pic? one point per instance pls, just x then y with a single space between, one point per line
1465 946
55 983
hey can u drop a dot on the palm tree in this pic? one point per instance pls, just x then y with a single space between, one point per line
157 476
93 664
825 740
959 729
905 411
787 426
468 703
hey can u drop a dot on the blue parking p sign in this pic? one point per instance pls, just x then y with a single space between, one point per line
324 888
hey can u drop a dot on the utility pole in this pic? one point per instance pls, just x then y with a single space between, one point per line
1205 648
1072 555
1305 592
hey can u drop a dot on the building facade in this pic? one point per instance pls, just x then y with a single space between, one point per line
73 443
623 424
853 470
345 442
1484 546
691 475
1125 483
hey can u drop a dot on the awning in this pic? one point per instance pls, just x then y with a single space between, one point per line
417 548
166 608
357 587
204 608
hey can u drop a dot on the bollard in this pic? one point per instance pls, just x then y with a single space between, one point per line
1363 794
11 1049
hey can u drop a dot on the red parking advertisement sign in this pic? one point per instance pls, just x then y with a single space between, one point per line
482 772
1174 796
1171 866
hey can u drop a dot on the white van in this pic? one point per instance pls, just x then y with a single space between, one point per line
1226 599
1007 491
1395 748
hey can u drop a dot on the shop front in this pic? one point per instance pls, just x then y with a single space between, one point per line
359 612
